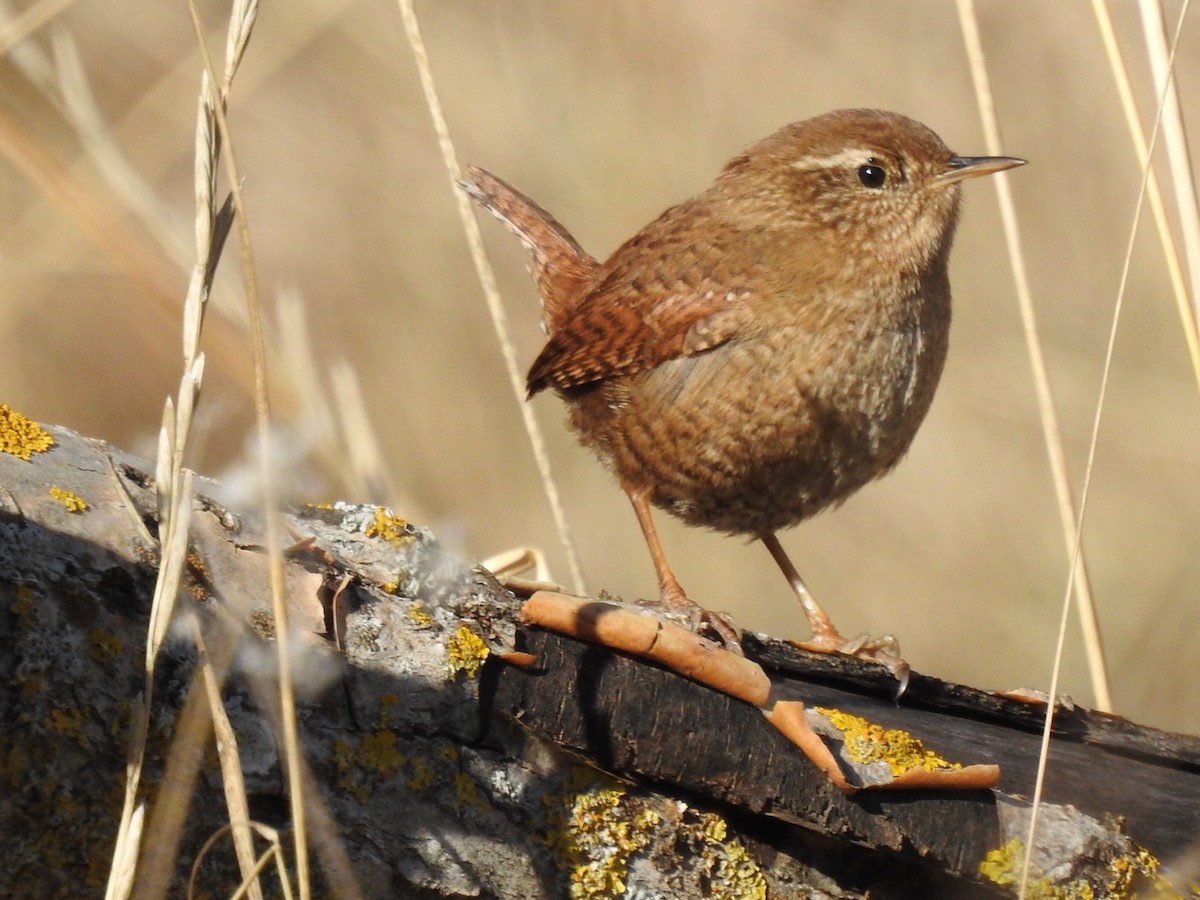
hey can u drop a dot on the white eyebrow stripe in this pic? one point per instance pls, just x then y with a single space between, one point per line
835 160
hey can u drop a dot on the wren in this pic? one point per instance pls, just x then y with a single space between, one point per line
761 351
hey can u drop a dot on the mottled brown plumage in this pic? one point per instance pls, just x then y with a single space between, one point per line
763 350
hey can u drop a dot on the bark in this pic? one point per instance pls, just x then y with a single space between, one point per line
434 768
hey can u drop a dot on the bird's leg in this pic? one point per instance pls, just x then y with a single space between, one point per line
825 637
671 595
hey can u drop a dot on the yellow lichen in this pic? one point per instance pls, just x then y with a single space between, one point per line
418 615
24 606
343 755
593 833
867 742
465 791
422 773
73 502
1139 869
20 436
388 706
360 769
733 873
1129 872
104 646
1003 865
345 761
379 752
198 576
466 652
262 623
68 722
738 876
389 526
14 766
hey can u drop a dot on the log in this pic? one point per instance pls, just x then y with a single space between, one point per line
452 751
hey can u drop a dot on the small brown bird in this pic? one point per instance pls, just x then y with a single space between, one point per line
761 351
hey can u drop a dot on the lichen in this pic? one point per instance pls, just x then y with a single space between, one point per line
1137 872
423 773
198 577
465 652
20 436
418 615
594 830
465 791
390 527
731 872
361 768
73 502
104 646
69 723
1130 874
867 742
389 709
262 623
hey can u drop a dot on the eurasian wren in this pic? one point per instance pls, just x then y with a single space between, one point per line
763 350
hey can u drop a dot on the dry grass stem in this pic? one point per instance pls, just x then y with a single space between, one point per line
231 772
1051 430
1120 73
339 430
487 280
1175 140
362 454
17 28
1118 306
273 853
241 24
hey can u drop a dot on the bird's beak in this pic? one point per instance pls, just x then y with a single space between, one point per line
959 168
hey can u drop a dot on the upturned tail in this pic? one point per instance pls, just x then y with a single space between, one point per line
560 267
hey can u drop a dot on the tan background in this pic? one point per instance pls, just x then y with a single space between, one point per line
607 113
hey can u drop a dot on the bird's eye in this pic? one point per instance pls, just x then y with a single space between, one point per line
872 174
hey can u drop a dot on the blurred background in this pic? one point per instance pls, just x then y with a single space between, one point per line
606 114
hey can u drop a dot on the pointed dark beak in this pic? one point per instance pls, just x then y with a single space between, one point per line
959 168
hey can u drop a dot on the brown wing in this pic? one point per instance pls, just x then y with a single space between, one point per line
679 287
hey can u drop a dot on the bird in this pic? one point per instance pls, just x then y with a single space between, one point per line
761 351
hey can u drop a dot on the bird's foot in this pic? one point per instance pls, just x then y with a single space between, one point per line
674 604
884 650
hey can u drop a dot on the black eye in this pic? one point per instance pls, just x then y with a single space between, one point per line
872 175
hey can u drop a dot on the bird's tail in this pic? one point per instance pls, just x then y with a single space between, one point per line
559 265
